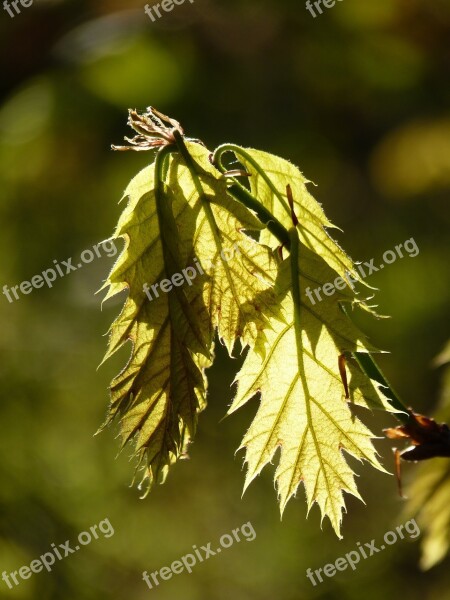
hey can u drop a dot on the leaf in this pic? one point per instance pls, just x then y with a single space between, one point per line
232 284
429 492
162 389
269 176
181 212
302 408
190 227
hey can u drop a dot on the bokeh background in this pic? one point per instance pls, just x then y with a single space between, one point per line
359 98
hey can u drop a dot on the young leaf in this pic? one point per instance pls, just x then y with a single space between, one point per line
162 389
238 269
182 212
302 409
269 177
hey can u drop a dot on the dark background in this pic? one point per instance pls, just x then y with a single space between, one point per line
359 99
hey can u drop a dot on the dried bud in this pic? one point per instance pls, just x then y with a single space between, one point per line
153 128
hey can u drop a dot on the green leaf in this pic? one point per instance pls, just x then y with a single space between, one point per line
269 176
183 215
238 269
302 409
162 389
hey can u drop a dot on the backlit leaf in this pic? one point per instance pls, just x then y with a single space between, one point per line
303 411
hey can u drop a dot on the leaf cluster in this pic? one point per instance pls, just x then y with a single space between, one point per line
234 240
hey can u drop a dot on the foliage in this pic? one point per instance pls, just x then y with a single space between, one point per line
182 210
357 98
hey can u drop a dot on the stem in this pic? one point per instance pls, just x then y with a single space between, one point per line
240 151
242 195
171 254
296 296
161 167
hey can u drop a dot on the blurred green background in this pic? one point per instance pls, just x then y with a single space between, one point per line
359 98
